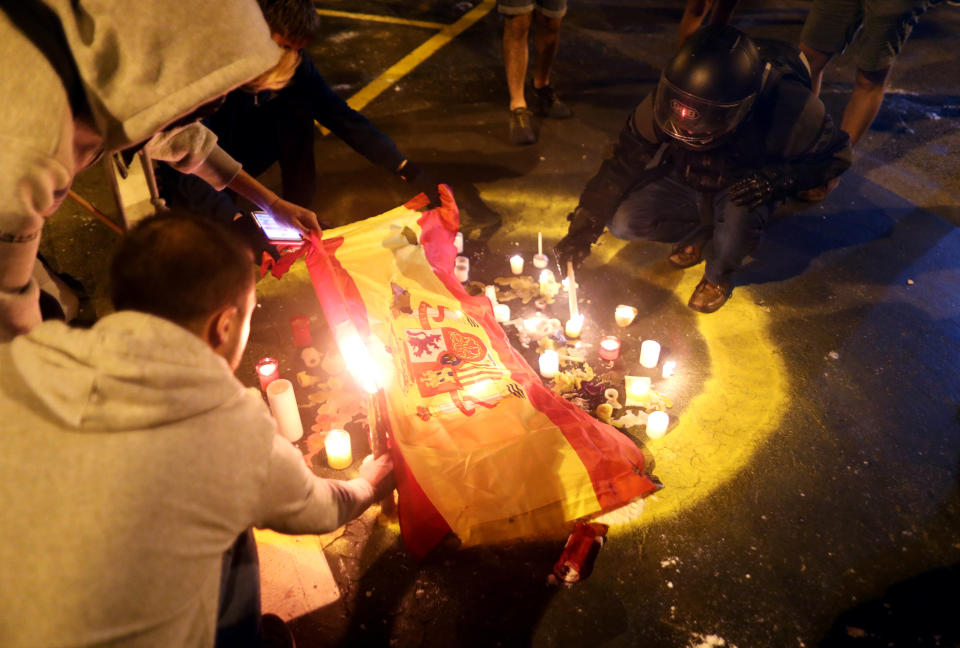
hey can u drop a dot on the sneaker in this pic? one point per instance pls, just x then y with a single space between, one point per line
708 297
550 105
521 127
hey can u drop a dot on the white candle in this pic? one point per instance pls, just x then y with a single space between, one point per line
337 445
657 424
649 353
491 293
574 326
501 312
637 385
458 242
461 268
546 281
549 363
516 264
624 315
283 404
572 290
669 367
540 259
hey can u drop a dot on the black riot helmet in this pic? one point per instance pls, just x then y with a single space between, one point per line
708 87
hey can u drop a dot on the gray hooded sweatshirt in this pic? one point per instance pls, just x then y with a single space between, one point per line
139 67
130 460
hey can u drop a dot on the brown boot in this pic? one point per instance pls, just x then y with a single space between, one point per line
685 256
708 297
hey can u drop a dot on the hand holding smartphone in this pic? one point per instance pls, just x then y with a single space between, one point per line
276 231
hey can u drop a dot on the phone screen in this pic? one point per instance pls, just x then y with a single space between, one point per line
276 230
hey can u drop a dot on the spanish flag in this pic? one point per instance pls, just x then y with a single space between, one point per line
482 448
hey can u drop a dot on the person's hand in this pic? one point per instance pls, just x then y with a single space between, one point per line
751 192
379 472
422 182
300 217
583 233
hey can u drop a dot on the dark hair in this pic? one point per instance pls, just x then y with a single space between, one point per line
180 267
295 20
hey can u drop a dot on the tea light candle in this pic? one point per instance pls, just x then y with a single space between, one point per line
624 315
283 404
491 293
268 370
300 326
610 347
669 367
501 312
461 268
574 326
649 353
637 385
540 259
549 363
516 264
337 445
458 242
657 424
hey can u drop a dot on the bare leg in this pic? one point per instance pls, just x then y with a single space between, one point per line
818 61
515 31
546 42
693 15
864 104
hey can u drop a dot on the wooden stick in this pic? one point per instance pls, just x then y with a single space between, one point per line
86 204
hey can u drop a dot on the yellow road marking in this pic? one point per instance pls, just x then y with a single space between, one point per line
405 65
377 18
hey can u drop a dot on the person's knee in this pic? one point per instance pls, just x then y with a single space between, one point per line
548 25
517 27
818 60
872 80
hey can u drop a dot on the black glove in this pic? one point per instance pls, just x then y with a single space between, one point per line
584 231
422 181
761 187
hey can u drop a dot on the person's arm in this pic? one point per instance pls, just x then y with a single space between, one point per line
193 149
813 151
297 501
634 158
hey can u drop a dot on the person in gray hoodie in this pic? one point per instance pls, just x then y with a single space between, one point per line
131 457
81 78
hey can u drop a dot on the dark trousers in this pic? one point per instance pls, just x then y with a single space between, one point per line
238 620
668 210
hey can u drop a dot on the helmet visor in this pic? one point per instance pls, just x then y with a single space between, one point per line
696 122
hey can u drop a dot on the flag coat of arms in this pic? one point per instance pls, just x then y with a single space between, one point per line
482 447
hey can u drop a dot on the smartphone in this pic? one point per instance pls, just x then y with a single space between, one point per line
276 231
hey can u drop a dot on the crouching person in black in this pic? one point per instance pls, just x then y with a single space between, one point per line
732 130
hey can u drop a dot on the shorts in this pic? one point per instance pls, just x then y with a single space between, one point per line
880 28
549 8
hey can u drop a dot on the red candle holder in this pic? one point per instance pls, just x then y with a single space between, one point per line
300 326
268 370
610 347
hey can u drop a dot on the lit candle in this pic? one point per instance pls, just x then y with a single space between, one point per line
540 259
649 353
549 363
624 315
546 282
657 424
501 312
637 385
491 293
669 366
610 347
461 268
300 325
574 326
572 291
268 370
458 242
283 404
337 445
